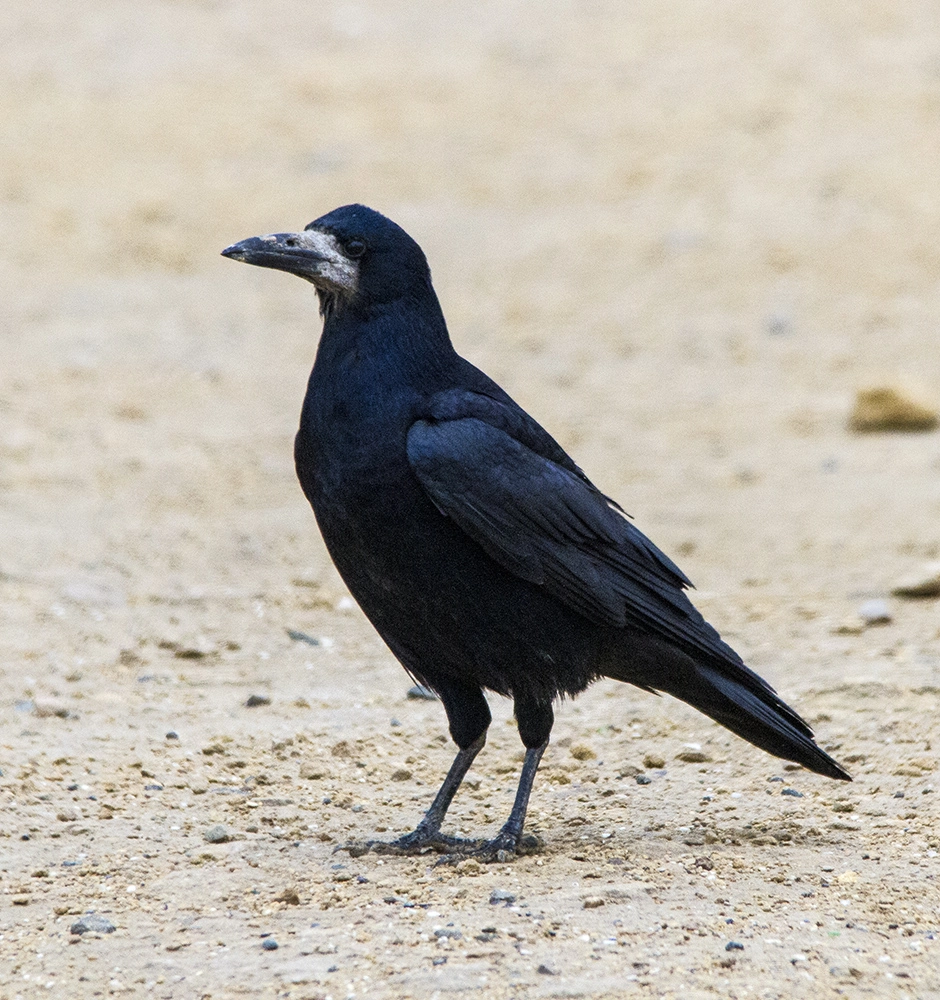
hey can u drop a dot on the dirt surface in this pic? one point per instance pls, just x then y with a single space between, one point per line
684 237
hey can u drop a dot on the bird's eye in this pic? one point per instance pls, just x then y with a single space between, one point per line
354 248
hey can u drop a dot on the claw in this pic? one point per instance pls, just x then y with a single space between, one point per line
501 849
417 842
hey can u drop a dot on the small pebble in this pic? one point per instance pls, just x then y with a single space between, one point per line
440 960
547 970
302 637
851 626
581 751
92 923
269 944
255 700
421 693
501 896
171 735
217 834
654 762
734 946
693 757
885 408
778 324
924 582
593 902
791 791
875 612
643 779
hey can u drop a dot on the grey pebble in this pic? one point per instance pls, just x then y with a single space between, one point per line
441 960
448 932
171 735
643 779
734 946
269 944
791 791
92 923
421 693
302 637
256 700
217 834
501 896
547 970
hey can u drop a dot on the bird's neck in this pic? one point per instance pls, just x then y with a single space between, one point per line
405 341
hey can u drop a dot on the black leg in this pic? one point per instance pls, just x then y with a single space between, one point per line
428 834
468 716
535 721
503 846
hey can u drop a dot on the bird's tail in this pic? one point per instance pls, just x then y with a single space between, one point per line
741 701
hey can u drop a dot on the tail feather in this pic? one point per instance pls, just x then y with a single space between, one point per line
766 721
731 694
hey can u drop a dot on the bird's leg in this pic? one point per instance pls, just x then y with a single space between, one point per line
428 831
468 717
504 845
535 720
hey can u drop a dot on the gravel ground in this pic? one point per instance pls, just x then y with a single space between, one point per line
684 243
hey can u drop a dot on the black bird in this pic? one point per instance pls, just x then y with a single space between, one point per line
481 553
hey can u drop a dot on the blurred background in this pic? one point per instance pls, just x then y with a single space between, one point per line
684 236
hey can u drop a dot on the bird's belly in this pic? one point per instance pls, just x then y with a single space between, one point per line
447 609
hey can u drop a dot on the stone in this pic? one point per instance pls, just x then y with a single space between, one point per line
92 923
875 611
885 408
924 582
421 693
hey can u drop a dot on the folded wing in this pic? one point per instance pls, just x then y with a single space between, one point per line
550 526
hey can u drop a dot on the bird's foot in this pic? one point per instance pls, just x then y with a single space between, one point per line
502 848
417 842
422 842
505 846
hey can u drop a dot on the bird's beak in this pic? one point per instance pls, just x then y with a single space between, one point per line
291 252
312 254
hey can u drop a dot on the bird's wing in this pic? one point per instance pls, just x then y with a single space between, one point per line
547 524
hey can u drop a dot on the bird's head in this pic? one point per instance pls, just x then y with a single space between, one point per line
352 255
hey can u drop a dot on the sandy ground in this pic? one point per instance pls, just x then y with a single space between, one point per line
683 236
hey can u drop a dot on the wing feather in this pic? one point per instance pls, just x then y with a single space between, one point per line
546 523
